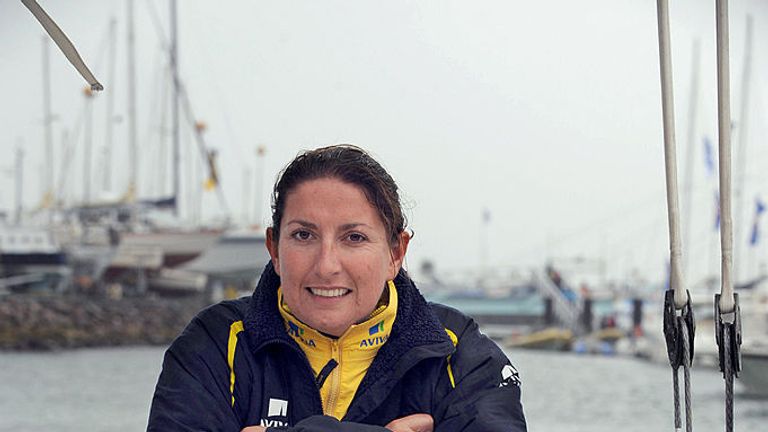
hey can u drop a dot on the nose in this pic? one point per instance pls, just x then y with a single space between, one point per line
328 263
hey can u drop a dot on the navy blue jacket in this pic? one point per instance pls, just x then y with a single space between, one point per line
272 384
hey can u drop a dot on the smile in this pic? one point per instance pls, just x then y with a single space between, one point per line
335 292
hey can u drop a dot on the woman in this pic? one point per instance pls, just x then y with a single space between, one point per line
336 337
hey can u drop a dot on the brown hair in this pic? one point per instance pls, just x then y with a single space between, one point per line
352 165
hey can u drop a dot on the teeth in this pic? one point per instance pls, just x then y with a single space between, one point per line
338 292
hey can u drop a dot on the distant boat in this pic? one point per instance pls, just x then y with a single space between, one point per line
31 259
175 247
549 339
754 370
157 253
233 263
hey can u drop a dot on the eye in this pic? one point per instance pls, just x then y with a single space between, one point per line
302 235
356 237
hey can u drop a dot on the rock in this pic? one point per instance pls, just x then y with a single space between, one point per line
29 322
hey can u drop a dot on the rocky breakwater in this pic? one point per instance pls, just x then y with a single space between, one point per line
59 322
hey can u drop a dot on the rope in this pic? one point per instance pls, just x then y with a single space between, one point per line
728 372
686 364
686 374
676 391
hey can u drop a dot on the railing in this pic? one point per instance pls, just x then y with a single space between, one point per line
567 312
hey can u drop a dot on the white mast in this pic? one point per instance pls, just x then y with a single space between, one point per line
47 119
175 106
132 176
87 144
693 102
246 195
107 164
259 186
19 179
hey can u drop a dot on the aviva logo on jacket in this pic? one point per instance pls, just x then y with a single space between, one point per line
373 339
298 333
276 408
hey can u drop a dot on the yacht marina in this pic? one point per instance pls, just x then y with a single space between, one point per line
561 392
531 164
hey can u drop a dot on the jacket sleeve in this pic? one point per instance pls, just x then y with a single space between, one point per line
322 423
485 388
192 393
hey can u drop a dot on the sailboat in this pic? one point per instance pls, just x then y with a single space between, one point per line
117 240
147 245
31 260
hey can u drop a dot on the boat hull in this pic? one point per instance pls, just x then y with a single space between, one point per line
754 373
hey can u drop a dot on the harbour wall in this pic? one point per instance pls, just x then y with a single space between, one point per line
44 323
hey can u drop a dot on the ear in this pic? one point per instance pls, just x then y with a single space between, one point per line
272 248
398 252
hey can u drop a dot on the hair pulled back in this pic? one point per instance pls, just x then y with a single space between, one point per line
352 165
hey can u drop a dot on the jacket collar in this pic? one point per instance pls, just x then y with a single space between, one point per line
360 341
416 325
263 323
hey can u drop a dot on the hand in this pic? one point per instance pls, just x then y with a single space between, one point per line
254 429
412 423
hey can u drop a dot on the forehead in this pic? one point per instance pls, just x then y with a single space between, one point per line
329 198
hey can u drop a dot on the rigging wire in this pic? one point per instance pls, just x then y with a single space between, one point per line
187 108
679 324
727 313
70 147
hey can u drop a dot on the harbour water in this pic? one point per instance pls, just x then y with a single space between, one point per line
110 390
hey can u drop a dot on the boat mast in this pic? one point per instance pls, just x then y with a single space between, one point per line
19 171
48 117
131 104
88 144
246 195
107 165
741 155
175 107
259 186
690 151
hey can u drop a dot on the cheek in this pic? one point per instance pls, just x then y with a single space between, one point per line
374 270
293 262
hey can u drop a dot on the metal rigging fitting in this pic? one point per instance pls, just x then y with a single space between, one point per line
672 328
728 322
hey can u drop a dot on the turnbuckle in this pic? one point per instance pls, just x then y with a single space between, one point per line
673 330
729 322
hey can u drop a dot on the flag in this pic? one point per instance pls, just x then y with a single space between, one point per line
717 211
486 215
754 238
709 157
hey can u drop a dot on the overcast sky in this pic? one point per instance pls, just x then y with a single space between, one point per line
545 113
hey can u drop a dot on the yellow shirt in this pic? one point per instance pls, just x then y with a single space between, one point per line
353 351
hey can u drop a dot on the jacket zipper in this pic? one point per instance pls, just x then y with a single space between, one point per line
333 394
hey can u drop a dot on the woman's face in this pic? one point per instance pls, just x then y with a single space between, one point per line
333 255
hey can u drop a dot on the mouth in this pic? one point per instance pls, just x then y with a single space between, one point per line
328 292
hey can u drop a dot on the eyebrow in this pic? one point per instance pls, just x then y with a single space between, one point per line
303 223
308 224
